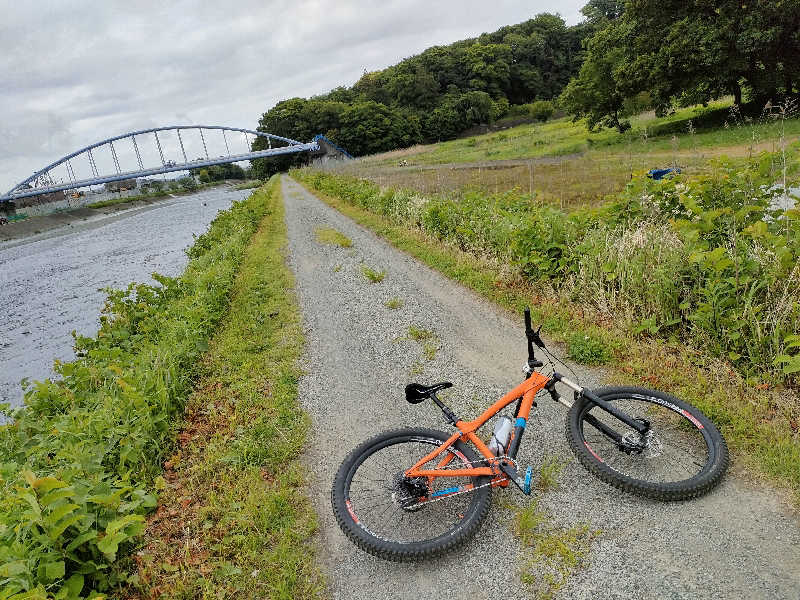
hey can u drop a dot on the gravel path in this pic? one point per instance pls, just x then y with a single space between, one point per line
737 542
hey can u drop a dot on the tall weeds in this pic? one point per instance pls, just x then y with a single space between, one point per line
708 259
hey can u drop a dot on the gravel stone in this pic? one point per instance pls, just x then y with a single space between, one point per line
739 541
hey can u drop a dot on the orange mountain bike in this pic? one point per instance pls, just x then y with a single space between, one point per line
409 494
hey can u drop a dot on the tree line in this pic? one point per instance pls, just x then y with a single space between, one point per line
623 57
437 94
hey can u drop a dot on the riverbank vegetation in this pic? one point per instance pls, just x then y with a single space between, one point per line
81 463
690 284
156 189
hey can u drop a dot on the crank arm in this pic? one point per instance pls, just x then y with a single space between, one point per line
524 485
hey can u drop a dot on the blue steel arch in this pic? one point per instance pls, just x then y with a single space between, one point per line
24 188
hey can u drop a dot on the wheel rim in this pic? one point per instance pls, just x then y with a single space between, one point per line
380 500
677 449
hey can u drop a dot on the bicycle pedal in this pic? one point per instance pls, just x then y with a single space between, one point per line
526 488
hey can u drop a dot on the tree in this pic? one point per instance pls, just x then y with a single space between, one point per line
369 127
685 52
602 11
594 93
489 68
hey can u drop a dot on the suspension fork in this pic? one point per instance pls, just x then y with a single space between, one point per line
635 424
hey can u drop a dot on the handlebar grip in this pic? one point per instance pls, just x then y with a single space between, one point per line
528 319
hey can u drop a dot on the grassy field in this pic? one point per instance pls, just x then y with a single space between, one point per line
561 163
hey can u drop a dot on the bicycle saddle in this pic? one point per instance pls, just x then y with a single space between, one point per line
416 392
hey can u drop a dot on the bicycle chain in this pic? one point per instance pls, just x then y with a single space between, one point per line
471 463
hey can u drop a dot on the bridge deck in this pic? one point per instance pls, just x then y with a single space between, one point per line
166 168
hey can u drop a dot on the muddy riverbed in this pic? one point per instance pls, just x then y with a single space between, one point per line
51 283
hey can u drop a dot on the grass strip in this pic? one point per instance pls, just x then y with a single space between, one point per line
79 461
752 418
249 185
329 235
233 520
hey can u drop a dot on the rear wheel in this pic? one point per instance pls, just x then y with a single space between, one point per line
397 518
682 456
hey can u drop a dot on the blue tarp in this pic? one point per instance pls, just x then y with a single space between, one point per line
661 173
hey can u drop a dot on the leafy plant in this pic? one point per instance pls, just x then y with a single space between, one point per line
588 348
418 334
393 303
372 275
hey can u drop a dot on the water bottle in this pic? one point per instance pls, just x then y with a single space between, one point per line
501 435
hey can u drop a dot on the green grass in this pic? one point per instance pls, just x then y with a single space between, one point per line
590 347
126 199
328 235
418 334
235 485
155 194
563 136
393 303
750 418
372 275
248 185
551 554
562 164
429 350
549 472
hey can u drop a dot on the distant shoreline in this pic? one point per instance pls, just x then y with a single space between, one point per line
84 217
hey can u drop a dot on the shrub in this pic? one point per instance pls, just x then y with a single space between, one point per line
542 110
588 348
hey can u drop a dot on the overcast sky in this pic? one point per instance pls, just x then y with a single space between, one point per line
74 73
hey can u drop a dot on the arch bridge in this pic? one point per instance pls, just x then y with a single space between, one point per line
146 145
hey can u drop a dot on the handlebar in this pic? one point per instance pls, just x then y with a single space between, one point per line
533 338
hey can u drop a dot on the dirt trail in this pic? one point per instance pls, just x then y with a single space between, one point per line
737 542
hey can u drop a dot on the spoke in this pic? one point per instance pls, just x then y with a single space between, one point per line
371 488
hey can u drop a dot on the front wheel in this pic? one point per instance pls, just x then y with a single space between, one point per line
397 518
682 455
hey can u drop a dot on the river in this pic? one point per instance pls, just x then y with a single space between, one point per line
52 285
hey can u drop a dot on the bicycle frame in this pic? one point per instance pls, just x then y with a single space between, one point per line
526 391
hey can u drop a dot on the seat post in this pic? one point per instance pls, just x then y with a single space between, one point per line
449 414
